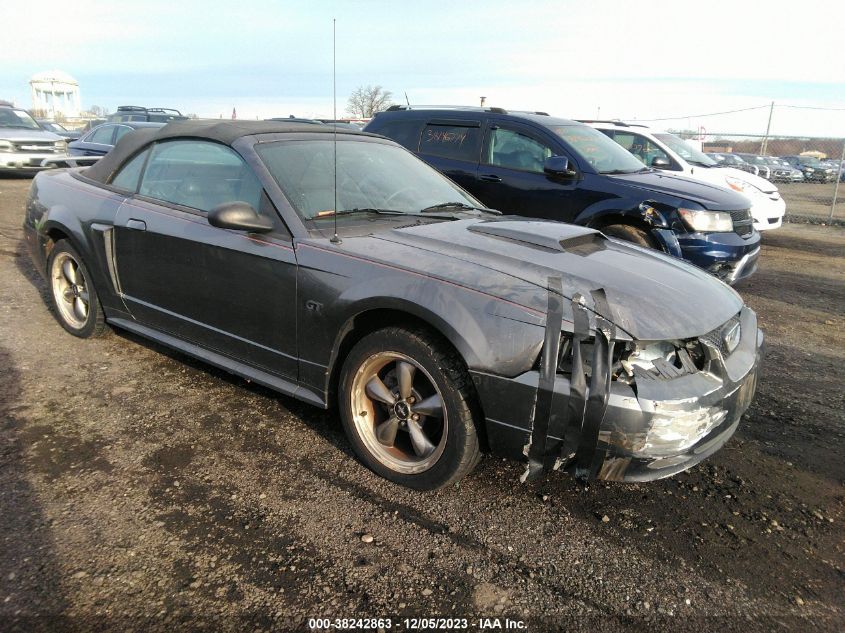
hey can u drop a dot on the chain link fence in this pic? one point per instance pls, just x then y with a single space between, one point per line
808 171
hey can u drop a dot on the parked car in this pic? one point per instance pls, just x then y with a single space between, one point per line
812 168
540 166
23 143
764 170
794 175
55 128
90 125
100 140
428 320
732 160
140 114
777 171
670 153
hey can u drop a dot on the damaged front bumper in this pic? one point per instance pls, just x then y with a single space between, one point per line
654 427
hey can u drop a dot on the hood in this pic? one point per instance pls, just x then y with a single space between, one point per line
652 296
717 175
709 196
16 134
761 183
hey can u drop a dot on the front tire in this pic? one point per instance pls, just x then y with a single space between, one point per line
630 233
74 297
406 406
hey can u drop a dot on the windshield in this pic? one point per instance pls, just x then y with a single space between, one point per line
17 118
370 177
603 154
685 150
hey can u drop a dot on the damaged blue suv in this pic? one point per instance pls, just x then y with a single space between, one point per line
532 164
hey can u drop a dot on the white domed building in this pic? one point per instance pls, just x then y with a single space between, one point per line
55 93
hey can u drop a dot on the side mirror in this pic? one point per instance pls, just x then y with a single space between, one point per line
558 167
659 162
239 216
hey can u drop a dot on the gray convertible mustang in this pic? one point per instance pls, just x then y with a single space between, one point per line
335 267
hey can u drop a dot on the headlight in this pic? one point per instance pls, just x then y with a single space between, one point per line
809 170
6 146
60 146
707 221
742 186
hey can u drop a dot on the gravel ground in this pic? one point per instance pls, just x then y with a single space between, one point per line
142 490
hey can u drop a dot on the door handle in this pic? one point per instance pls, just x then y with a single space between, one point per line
136 225
490 178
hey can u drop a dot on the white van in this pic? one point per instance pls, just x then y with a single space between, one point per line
668 152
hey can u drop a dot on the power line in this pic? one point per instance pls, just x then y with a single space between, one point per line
777 105
698 116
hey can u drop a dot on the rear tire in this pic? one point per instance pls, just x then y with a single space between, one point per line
72 291
405 400
631 234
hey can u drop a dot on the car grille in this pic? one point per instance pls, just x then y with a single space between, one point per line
743 223
715 337
35 147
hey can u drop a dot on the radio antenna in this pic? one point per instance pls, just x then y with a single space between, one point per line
335 239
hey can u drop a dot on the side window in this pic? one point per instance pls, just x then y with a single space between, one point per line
200 175
451 141
102 135
513 150
128 175
406 133
641 147
120 132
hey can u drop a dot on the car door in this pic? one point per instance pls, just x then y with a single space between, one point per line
99 142
452 146
511 177
229 291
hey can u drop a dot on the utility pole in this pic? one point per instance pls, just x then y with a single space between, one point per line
765 145
483 99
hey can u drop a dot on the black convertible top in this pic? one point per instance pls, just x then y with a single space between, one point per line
226 132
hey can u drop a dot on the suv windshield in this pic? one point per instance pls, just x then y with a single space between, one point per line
685 150
10 117
371 177
605 155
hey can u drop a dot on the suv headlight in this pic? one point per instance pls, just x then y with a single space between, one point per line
742 186
61 146
6 146
707 221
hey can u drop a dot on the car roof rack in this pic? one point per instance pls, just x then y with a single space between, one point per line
131 108
618 122
397 107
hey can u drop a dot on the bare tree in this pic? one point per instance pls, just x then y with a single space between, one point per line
365 101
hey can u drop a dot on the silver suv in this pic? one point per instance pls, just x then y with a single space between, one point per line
23 143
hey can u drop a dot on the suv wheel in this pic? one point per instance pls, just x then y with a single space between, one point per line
629 234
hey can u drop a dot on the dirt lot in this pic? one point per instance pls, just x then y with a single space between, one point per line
813 199
141 490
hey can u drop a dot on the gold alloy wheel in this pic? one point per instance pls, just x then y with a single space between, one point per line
399 412
70 289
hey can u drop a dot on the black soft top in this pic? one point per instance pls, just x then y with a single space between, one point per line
226 132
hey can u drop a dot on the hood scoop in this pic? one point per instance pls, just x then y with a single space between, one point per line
546 235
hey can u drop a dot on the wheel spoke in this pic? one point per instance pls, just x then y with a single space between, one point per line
83 294
80 309
420 443
431 406
69 271
405 373
386 431
378 391
67 295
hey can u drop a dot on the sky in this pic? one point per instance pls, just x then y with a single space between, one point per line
633 60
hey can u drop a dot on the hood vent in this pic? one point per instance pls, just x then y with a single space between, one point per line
546 235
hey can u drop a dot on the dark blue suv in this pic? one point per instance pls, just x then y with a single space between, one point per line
532 164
